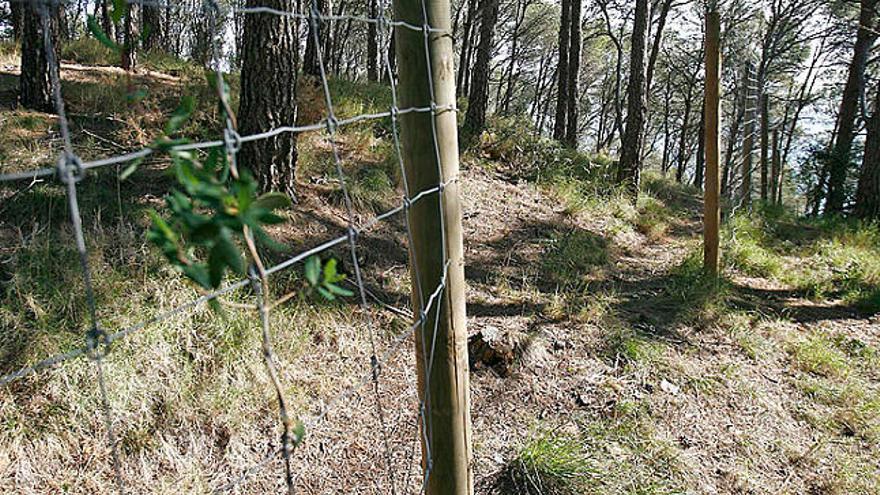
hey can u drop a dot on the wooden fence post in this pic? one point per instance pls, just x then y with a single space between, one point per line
711 208
444 382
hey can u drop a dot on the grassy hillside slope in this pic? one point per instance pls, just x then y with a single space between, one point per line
617 369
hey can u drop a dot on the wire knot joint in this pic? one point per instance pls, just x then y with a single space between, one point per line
97 343
232 140
69 168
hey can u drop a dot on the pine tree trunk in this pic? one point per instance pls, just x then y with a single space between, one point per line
765 143
849 108
372 44
35 90
868 193
16 12
655 47
520 15
464 57
132 38
776 170
478 99
562 93
667 135
310 59
152 27
574 68
682 145
106 23
268 95
629 169
60 26
701 150
748 140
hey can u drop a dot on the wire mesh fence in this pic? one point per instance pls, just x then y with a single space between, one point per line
98 340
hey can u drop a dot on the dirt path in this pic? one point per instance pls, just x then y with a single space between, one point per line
663 403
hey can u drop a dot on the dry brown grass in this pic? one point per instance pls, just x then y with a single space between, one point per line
750 392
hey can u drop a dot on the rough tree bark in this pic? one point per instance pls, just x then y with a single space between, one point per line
868 193
16 14
629 169
478 98
574 69
849 109
562 72
35 90
372 43
268 95
131 38
152 27
102 11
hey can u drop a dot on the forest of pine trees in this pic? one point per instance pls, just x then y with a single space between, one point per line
616 78
506 247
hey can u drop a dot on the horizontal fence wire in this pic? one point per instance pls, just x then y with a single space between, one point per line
97 343
165 315
147 151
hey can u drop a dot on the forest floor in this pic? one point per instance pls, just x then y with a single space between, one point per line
602 361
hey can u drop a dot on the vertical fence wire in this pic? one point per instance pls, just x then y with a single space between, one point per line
70 172
352 238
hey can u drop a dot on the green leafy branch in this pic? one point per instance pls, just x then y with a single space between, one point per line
210 214
217 209
325 279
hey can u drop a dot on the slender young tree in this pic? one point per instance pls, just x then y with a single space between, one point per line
748 138
467 36
574 69
629 169
776 170
268 95
849 108
562 92
765 143
478 99
35 91
310 59
700 167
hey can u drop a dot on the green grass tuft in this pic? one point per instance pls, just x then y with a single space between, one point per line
550 464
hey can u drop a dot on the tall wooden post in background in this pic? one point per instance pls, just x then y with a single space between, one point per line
711 208
444 382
